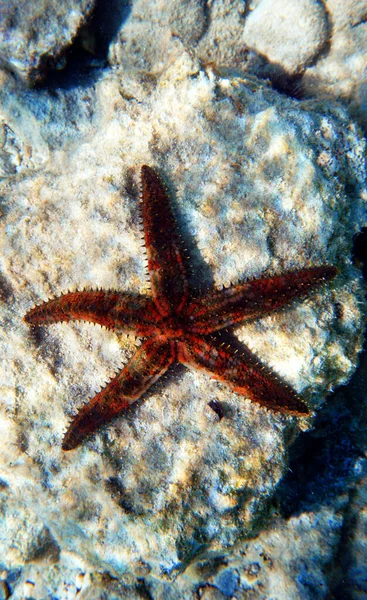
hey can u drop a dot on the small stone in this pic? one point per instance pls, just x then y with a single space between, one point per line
288 33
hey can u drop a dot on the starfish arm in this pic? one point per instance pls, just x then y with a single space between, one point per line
253 299
165 260
245 374
114 310
146 366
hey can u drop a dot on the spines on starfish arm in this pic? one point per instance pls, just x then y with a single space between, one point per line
166 261
243 373
149 362
111 309
254 299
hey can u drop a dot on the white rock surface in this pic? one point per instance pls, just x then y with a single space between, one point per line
290 34
342 73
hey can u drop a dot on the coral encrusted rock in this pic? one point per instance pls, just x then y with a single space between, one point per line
261 184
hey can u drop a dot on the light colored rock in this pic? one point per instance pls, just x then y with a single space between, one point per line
274 39
347 13
35 33
290 34
342 73
289 559
261 187
155 33
221 42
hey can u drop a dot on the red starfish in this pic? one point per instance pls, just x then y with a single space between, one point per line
176 326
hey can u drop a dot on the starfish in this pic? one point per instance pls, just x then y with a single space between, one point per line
177 325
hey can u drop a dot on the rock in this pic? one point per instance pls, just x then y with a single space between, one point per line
290 34
290 555
342 73
221 43
156 33
263 184
302 48
34 35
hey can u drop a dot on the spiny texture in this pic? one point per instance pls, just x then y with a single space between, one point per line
177 326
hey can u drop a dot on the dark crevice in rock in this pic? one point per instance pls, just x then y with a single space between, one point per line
325 49
116 489
6 289
283 82
143 590
207 17
106 21
22 441
80 64
361 22
217 407
49 348
359 255
44 546
322 461
189 548
338 571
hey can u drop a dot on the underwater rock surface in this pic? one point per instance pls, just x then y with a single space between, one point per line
308 48
157 503
267 30
262 184
33 35
341 74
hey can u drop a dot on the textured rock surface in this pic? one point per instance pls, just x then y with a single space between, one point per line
221 42
290 34
33 34
261 186
156 33
323 45
151 506
342 73
323 42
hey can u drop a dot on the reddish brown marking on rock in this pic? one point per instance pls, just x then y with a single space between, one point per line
178 327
